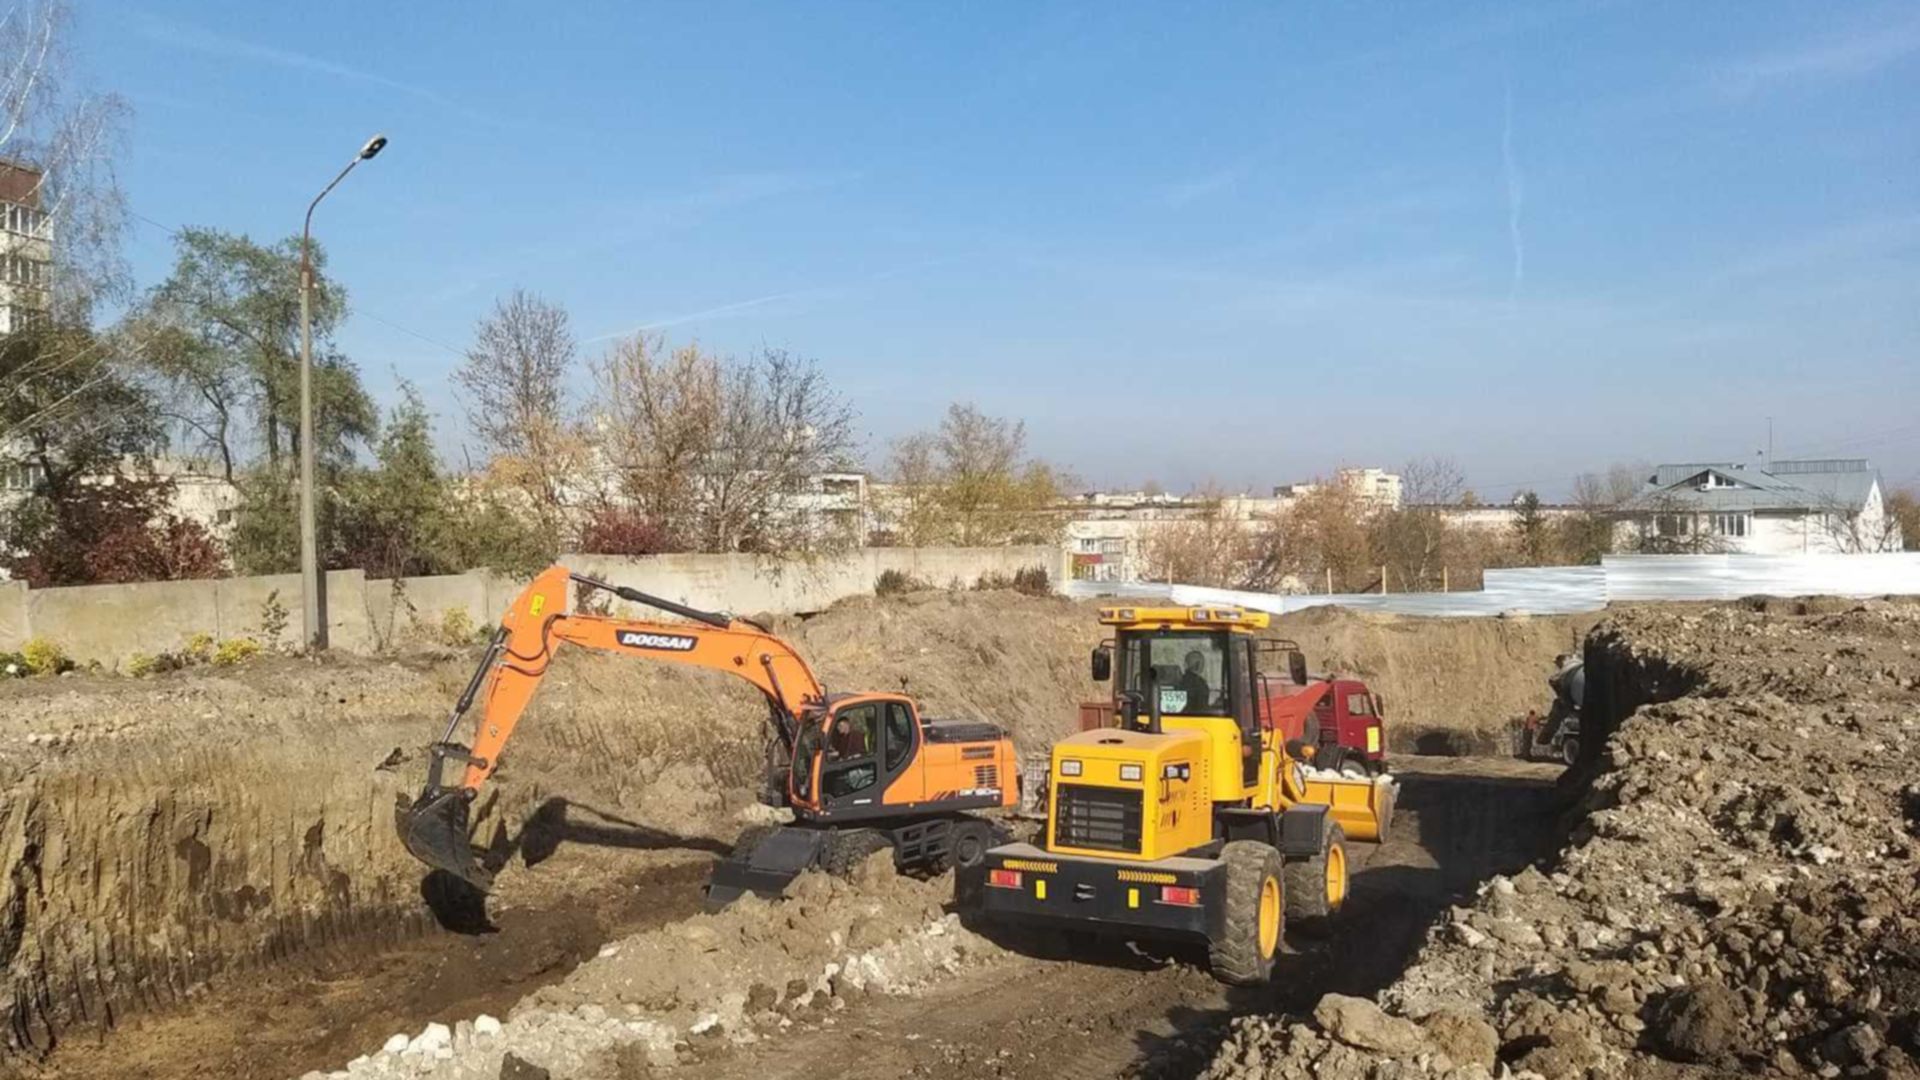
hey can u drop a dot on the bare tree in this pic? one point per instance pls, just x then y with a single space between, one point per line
1859 530
513 384
1211 548
656 415
1904 508
780 425
58 140
1432 481
720 453
1588 534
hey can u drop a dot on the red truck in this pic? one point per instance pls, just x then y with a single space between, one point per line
1337 717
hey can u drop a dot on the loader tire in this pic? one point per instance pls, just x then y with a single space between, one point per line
1243 954
844 852
1317 887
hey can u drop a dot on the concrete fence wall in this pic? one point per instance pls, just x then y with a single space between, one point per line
110 623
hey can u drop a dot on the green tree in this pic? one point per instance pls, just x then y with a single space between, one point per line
1533 534
223 352
398 519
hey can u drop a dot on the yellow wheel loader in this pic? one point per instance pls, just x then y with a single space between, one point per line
1189 817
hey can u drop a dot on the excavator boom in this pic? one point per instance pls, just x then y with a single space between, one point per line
435 827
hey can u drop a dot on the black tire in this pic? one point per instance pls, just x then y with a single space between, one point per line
1331 758
967 844
844 852
1570 750
1242 955
1310 894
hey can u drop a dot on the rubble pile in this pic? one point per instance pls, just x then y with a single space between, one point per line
1737 894
666 998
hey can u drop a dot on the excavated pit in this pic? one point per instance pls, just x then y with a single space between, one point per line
169 839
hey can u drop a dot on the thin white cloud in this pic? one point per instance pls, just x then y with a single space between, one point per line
1862 50
1200 187
738 306
185 36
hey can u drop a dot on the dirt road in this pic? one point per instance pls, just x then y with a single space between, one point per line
1125 1012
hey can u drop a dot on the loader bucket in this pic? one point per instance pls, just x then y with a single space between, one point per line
1362 807
434 830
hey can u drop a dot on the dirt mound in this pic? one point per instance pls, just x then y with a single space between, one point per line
667 997
1737 895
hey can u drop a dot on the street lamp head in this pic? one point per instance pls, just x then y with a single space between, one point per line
374 146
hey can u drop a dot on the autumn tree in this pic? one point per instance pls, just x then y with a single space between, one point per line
1587 534
970 482
513 384
1210 548
718 452
1413 541
1903 508
1320 540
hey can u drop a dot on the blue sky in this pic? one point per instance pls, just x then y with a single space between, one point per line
1238 244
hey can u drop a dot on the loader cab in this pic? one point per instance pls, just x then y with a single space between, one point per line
850 753
1196 669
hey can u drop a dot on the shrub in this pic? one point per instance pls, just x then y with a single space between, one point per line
234 650
897 582
613 530
13 666
1032 581
141 664
198 648
457 627
273 619
43 657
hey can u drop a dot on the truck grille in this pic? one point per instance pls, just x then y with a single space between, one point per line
1102 819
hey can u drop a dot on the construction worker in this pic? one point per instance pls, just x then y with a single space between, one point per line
1193 683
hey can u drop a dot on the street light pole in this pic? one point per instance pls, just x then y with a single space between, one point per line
313 598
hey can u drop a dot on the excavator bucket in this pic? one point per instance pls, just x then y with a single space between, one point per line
434 829
1361 806
766 868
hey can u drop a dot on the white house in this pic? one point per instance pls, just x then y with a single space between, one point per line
1784 508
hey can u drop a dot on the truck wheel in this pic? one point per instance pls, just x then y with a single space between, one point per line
1256 913
1570 750
1317 887
844 852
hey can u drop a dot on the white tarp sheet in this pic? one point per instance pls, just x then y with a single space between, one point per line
1559 590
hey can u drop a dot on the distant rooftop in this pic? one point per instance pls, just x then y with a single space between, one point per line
1809 484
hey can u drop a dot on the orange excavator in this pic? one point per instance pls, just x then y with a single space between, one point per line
861 772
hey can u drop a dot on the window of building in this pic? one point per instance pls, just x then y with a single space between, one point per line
1113 548
1728 524
1673 524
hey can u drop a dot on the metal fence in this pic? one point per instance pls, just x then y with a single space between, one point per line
1560 590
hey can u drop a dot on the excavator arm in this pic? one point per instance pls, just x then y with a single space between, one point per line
434 828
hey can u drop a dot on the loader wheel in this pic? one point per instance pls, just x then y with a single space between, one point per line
844 852
1256 913
1317 887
